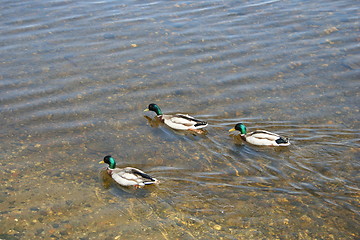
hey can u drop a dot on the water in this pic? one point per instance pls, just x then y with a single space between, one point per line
77 75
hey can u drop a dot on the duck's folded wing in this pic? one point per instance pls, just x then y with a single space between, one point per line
136 173
180 119
186 119
262 134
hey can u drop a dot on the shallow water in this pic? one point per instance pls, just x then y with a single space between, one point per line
76 77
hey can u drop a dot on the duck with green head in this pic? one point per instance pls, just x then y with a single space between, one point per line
177 121
128 176
261 137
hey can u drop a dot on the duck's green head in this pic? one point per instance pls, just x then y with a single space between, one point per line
240 127
155 108
109 160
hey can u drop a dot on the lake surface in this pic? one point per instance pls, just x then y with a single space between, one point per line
76 76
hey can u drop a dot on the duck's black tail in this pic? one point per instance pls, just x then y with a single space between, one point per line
200 123
282 140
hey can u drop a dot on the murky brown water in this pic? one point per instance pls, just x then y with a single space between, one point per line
76 77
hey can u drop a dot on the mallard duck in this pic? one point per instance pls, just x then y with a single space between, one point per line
177 121
128 176
261 137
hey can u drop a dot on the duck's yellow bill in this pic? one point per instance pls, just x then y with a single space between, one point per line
102 161
233 129
146 110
